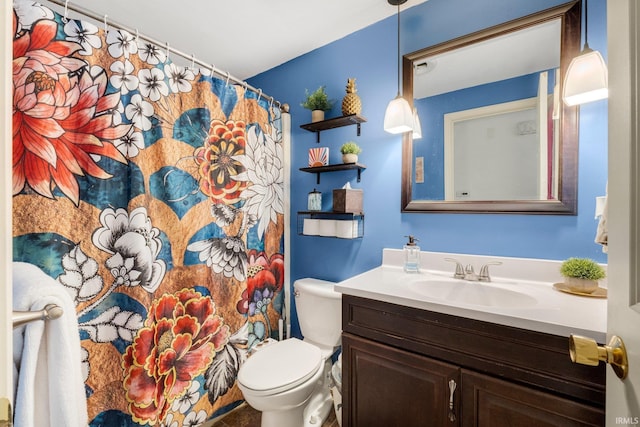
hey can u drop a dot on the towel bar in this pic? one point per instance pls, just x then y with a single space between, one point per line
50 311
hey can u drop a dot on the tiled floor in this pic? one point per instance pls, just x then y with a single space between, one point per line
246 416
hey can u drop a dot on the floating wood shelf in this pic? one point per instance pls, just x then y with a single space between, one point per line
333 168
336 122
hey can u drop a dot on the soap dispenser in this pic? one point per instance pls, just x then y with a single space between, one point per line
411 255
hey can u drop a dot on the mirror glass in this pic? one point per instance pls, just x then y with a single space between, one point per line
496 135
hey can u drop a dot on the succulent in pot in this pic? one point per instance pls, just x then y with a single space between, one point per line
318 102
350 151
582 274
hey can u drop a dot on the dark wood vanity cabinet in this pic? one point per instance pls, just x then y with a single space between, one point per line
400 364
488 401
393 387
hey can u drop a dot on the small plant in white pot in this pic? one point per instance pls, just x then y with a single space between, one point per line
582 274
350 151
318 102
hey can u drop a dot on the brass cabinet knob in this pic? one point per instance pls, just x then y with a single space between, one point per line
586 351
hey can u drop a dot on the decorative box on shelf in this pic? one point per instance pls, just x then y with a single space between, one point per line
318 156
347 200
331 224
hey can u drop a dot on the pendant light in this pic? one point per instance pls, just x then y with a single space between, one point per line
587 76
398 117
417 128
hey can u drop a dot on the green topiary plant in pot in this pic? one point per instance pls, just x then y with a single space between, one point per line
318 102
350 151
582 274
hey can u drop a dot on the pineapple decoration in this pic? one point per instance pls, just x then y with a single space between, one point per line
351 103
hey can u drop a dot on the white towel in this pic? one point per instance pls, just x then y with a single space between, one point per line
49 387
602 232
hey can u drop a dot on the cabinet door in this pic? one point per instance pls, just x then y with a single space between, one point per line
385 386
490 402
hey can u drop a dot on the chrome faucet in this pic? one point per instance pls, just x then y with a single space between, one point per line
468 273
484 271
459 273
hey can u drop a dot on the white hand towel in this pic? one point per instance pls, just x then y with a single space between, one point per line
50 388
602 232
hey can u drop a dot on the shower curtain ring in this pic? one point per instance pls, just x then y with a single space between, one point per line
213 70
193 62
106 27
167 52
137 36
227 82
259 94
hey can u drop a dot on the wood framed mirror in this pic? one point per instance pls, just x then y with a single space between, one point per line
429 182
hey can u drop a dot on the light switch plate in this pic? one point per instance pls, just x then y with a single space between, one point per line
419 170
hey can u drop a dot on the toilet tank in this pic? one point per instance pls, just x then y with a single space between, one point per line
319 309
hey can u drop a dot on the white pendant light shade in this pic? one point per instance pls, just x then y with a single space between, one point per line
398 118
586 79
417 128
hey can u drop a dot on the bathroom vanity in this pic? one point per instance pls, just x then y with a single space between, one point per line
411 358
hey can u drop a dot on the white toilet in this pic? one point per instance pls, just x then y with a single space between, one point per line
289 381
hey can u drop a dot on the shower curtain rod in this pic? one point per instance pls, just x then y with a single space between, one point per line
81 10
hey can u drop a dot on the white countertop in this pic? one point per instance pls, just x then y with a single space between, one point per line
543 308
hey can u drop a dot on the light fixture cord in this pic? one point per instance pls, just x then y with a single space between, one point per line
398 49
586 24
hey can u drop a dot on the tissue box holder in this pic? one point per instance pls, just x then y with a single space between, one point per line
347 200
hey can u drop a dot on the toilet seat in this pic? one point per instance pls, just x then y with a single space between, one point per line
280 367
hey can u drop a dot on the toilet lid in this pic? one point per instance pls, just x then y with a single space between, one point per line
280 366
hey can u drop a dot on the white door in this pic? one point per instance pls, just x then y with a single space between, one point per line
6 48
623 23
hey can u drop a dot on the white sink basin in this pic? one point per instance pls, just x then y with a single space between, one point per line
472 293
521 293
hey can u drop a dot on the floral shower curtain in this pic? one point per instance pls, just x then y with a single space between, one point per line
154 194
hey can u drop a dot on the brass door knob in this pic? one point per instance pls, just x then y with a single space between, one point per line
6 418
586 351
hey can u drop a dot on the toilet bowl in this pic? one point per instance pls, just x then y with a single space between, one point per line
289 381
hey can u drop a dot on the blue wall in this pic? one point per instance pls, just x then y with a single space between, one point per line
369 55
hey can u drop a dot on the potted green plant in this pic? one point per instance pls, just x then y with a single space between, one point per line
350 151
582 274
318 102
